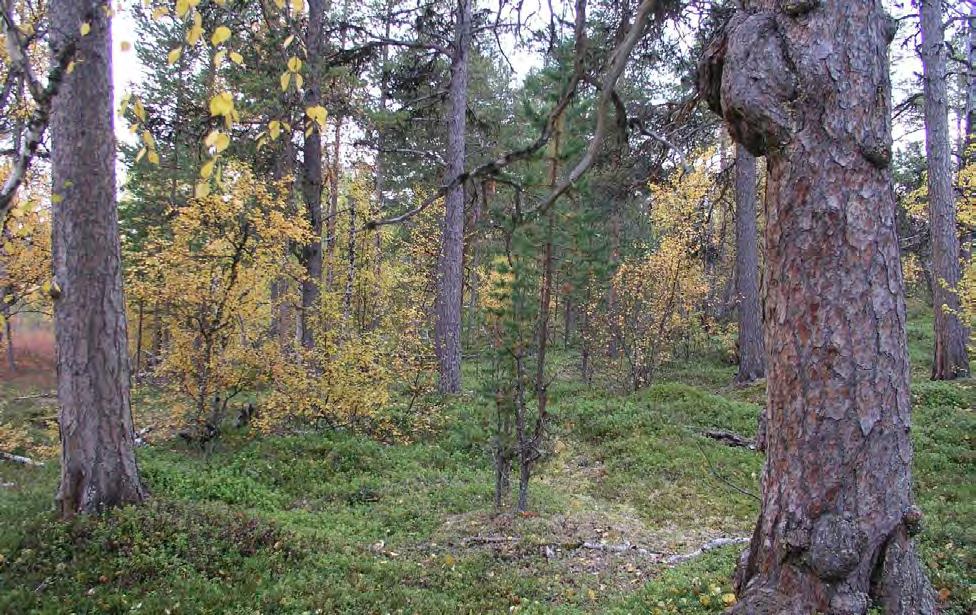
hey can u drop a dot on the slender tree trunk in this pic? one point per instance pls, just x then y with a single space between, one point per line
951 360
9 334
613 347
98 466
529 449
807 85
752 354
381 145
969 153
447 330
312 181
335 170
139 341
282 309
967 138
350 259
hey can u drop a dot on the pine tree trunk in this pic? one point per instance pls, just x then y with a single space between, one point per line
752 353
969 155
350 259
447 333
98 466
312 182
951 360
807 85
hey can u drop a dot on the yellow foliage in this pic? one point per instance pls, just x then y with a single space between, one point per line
25 251
654 300
209 273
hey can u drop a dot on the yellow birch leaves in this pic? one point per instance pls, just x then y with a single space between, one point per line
317 115
221 34
293 74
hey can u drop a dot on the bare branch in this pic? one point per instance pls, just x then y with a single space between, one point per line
617 64
492 167
39 119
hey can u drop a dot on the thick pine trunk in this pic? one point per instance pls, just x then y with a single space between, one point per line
752 354
447 329
951 360
312 182
98 466
837 510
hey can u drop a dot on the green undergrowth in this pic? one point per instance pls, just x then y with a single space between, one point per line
336 523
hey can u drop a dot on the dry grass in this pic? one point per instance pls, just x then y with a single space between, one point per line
34 355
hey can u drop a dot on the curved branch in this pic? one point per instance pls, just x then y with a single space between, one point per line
618 62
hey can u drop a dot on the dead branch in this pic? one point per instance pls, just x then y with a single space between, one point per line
36 396
708 546
729 438
489 540
27 461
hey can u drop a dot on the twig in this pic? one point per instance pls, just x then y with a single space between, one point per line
722 479
489 540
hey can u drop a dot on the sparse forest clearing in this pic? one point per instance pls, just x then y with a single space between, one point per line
340 523
534 306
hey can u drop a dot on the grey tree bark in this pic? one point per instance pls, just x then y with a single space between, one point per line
752 352
282 311
951 359
312 180
350 260
98 466
969 154
806 84
450 270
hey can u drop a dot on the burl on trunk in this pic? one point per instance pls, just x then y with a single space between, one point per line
806 84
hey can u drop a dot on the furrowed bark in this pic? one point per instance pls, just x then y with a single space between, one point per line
752 353
805 82
450 269
98 467
951 360
969 155
312 181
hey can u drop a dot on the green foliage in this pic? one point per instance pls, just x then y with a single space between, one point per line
696 588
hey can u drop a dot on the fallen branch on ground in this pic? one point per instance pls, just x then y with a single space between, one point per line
36 396
730 438
550 549
489 540
708 546
27 461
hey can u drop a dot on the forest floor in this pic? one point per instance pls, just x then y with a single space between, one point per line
324 523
